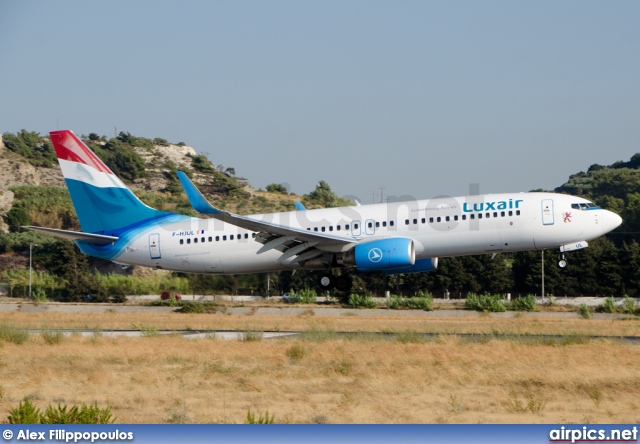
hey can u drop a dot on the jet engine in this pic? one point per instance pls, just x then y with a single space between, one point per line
383 254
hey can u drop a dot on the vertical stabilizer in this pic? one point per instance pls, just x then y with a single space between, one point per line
103 203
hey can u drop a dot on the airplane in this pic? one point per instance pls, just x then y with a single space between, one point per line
395 237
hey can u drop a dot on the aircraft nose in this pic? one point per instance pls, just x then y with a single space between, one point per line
612 220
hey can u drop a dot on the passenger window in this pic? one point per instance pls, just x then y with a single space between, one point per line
331 228
479 215
224 238
495 214
464 217
315 228
406 222
338 228
473 216
323 229
246 235
181 241
384 223
370 224
210 239
438 219
488 215
517 212
377 224
510 213
502 214
455 217
254 234
188 241
392 223
431 220
415 221
355 226
195 240
346 227
202 239
424 220
217 238
447 218
231 237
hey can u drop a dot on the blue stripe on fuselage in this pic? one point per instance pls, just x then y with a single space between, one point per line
127 235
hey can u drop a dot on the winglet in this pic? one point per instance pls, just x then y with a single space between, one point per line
299 206
197 200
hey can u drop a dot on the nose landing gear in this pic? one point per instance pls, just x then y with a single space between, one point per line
562 262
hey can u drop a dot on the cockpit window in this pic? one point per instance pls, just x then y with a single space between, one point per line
583 206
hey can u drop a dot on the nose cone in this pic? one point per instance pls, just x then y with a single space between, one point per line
611 221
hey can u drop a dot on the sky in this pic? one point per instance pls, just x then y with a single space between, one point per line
420 98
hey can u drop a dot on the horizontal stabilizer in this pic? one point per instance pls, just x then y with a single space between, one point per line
76 235
196 199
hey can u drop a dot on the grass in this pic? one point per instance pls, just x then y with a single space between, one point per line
335 380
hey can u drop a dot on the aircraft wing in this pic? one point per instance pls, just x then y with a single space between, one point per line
296 244
75 235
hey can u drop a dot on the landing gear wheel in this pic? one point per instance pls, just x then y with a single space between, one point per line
326 281
343 283
562 263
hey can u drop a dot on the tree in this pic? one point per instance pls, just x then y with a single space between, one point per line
276 188
17 217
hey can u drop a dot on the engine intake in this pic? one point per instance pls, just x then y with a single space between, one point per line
383 254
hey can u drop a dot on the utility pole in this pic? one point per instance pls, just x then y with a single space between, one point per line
542 275
373 197
381 194
30 251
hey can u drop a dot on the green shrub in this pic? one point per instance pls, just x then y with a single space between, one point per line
416 303
251 336
527 303
304 296
192 307
361 301
85 414
25 413
52 337
484 302
262 419
296 352
13 334
629 305
585 311
609 305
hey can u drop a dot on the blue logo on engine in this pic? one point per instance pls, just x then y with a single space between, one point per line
375 255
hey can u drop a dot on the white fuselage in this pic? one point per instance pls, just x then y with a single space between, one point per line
439 227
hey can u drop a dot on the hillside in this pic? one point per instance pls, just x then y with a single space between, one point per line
148 166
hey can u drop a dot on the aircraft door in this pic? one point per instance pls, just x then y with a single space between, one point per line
547 211
370 227
356 229
154 246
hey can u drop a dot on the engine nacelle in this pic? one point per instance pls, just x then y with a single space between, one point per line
383 254
421 265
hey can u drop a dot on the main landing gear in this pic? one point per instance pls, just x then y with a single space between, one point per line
327 281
